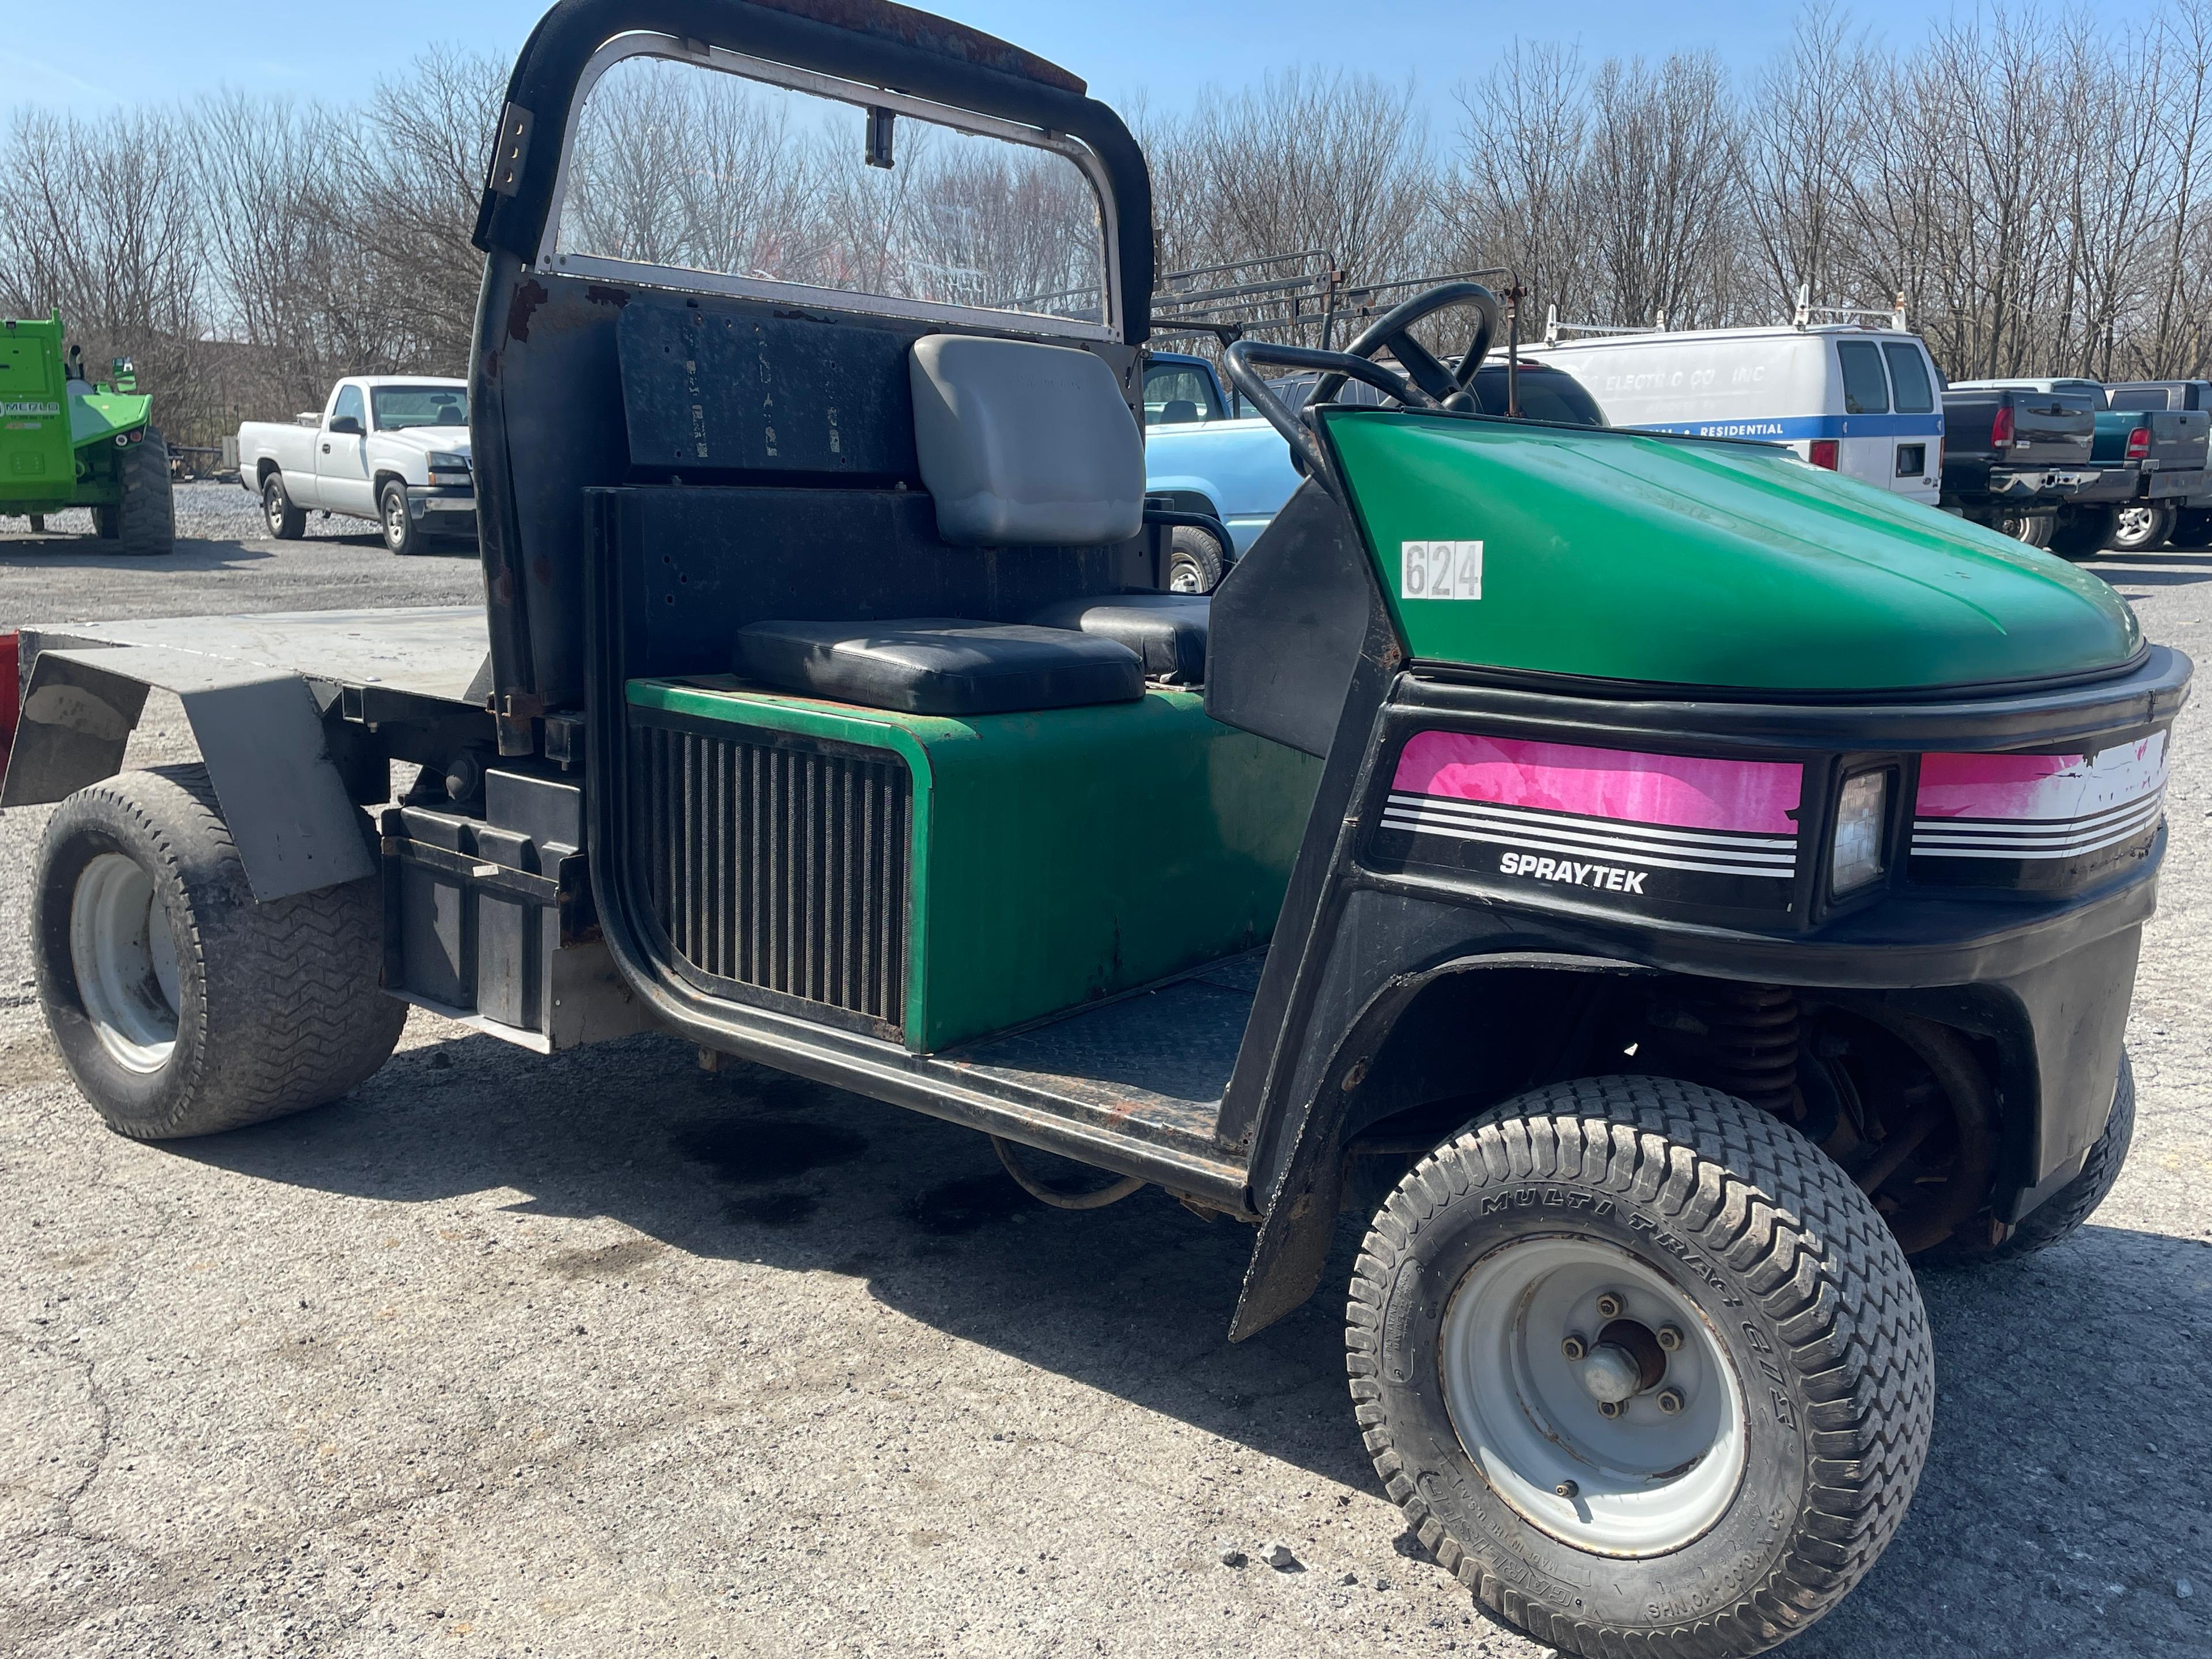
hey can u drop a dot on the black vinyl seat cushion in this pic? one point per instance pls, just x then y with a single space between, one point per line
1166 630
940 665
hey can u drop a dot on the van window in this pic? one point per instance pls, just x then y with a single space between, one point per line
2145 397
1865 389
700 170
1908 372
1176 395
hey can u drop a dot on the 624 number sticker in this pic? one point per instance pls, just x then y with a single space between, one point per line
1440 570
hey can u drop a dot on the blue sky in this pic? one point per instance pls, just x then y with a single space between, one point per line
152 49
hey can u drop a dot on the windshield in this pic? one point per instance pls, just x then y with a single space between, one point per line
401 406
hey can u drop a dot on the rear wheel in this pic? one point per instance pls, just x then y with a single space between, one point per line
1196 561
2192 528
2083 533
1643 1368
180 1003
146 507
2141 527
2033 528
286 522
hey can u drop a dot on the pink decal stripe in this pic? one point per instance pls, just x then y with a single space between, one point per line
2050 788
1681 791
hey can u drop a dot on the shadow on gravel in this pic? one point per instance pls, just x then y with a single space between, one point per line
48 552
2168 567
2065 1498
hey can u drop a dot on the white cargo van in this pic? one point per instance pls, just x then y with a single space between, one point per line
1866 402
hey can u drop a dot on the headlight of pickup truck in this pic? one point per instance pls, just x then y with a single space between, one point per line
448 469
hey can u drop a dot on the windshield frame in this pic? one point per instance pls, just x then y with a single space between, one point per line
859 95
377 421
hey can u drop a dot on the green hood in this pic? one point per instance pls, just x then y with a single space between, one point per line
1631 556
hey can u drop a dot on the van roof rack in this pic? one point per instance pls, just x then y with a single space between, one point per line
1554 329
1808 313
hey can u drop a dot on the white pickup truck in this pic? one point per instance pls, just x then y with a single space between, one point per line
390 447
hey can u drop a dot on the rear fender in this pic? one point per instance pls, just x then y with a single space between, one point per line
260 733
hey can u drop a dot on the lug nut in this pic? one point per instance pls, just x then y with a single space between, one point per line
1611 1408
1670 1401
1669 1338
1573 1347
1610 1306
1566 1489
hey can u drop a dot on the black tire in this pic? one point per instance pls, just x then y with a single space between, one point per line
2141 527
1196 561
2083 532
402 535
2033 528
286 522
275 1007
37 523
146 511
106 523
2192 528
1795 1283
2060 1215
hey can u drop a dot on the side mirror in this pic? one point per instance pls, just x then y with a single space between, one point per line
345 425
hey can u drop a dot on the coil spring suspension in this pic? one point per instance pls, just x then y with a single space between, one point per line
1755 1037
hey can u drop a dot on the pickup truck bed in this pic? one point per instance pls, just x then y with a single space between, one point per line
2046 461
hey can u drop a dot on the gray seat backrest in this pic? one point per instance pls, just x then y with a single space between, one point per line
1025 444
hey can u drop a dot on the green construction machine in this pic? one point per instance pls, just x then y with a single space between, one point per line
67 443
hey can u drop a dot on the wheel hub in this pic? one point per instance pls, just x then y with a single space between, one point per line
1630 1441
125 958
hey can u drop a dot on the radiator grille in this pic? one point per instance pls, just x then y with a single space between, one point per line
779 865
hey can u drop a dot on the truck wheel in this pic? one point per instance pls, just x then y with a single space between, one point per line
146 512
106 524
286 523
2192 528
2060 1215
2083 533
2142 527
1642 1368
2033 528
180 1005
400 534
1195 563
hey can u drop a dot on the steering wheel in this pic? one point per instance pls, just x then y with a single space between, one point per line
1440 388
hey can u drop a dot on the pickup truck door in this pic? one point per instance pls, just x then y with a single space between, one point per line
342 480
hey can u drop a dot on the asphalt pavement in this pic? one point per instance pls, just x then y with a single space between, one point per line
605 1355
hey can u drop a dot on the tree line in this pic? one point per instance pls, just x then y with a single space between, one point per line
2038 187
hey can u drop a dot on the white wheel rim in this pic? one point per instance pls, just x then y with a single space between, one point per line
1641 1484
395 521
1184 579
2134 523
125 958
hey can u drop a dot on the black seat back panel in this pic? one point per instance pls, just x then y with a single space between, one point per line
939 666
713 392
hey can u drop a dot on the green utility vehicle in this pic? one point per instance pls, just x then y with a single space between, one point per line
66 442
1660 890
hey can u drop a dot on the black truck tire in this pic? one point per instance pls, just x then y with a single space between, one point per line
2083 532
2141 527
402 535
286 522
146 505
1196 561
2192 528
2060 1215
2033 528
1793 1344
180 1005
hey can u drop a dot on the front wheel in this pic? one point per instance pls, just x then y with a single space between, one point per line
2142 527
400 533
2083 533
2192 528
146 506
180 1004
1196 561
1643 1368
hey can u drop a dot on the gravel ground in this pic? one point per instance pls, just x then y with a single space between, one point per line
604 1355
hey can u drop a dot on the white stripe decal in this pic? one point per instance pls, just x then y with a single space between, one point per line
1442 807
2046 826
2040 847
1398 819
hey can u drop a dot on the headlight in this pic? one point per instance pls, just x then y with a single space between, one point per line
1861 813
442 462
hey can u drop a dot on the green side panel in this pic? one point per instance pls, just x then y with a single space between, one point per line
103 414
38 467
1634 557
1061 856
